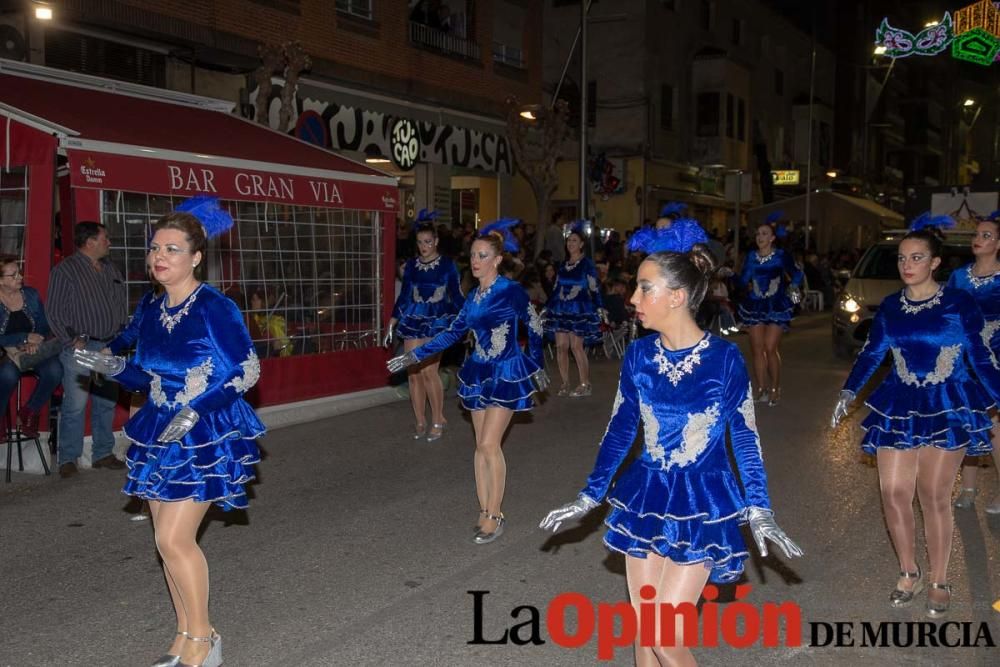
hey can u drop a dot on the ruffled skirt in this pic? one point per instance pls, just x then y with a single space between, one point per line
212 463
686 517
579 318
776 309
503 383
425 321
949 416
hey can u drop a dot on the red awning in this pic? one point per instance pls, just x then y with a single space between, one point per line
182 144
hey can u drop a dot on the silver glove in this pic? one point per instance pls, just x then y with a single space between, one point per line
100 363
573 510
541 379
763 527
840 410
794 295
397 364
389 336
179 426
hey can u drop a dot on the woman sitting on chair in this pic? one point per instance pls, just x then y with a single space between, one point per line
23 330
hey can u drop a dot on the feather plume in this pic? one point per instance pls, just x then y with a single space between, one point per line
503 226
215 219
925 220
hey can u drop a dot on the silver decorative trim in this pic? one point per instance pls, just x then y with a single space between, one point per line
170 321
979 281
195 382
695 437
772 288
438 295
675 372
574 292
651 433
535 322
421 266
907 306
498 342
251 373
944 365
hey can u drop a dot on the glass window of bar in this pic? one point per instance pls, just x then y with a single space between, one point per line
13 210
308 279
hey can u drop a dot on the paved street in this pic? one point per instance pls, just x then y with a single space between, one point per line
357 547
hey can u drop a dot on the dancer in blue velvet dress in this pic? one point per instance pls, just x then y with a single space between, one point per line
193 441
773 284
981 279
497 378
574 312
929 412
428 302
677 509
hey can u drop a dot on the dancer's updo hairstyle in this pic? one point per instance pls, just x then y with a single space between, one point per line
932 236
691 271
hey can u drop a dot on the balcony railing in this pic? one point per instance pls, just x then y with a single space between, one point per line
439 40
508 55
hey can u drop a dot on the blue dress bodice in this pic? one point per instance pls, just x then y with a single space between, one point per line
497 371
986 292
429 299
767 280
930 397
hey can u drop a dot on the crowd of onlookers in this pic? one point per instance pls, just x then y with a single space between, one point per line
617 267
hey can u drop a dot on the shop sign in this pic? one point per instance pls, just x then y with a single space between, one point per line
107 171
404 144
371 132
785 177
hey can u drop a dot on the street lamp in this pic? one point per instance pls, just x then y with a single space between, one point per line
42 11
832 173
880 50
968 102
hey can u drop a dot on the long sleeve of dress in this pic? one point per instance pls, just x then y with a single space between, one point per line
984 360
455 287
746 274
743 434
536 329
446 338
594 285
794 272
619 435
133 378
233 346
405 293
870 356
130 334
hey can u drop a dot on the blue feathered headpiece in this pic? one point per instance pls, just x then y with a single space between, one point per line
579 226
503 226
925 220
781 231
424 217
680 237
215 219
672 209
774 216
994 216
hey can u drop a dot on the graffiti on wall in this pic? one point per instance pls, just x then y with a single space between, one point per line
342 127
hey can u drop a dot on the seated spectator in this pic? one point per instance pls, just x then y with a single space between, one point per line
29 346
548 278
531 282
269 331
615 300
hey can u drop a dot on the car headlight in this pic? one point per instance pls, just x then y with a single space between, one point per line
849 305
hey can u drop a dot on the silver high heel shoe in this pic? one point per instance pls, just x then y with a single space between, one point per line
481 513
939 609
761 396
214 657
483 537
431 436
900 598
169 659
563 390
419 431
966 499
584 389
775 397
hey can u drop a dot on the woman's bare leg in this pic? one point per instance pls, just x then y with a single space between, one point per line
936 470
176 525
758 355
479 464
580 355
488 443
674 584
418 393
435 391
562 356
175 598
772 341
897 476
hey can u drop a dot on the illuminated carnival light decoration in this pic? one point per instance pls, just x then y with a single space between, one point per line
973 35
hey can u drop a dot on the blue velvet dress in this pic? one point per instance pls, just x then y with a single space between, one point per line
575 298
429 299
680 498
986 292
497 373
199 355
768 279
929 398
